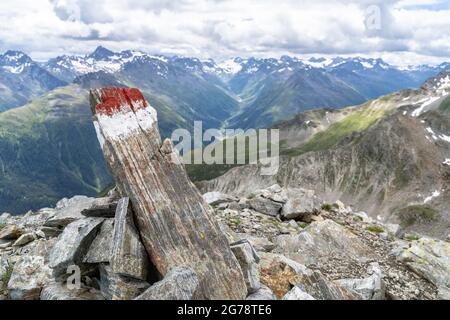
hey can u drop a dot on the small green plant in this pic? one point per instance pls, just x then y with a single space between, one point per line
6 277
375 229
412 237
235 221
417 214
302 224
327 207
2 225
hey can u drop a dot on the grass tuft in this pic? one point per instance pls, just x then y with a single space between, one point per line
412 237
417 214
375 229
6 276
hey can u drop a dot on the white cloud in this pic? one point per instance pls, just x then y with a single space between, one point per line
411 30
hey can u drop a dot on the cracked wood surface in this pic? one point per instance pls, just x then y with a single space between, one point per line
176 226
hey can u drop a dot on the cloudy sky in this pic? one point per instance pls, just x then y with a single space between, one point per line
400 31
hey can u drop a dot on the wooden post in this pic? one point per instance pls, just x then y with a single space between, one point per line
176 225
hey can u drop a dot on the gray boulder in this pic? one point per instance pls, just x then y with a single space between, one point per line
10 232
101 248
4 218
363 216
25 239
320 241
301 204
179 284
73 244
429 258
35 220
69 210
29 275
297 294
280 273
245 255
259 243
117 287
101 207
319 287
263 293
216 198
274 193
51 232
265 206
370 288
5 244
31 271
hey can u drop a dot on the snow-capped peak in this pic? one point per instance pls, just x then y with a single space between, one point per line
15 62
101 59
318 62
355 63
440 84
230 66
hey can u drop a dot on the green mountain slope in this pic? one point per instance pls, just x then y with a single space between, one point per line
49 151
389 157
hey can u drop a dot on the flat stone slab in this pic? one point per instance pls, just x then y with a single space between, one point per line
179 284
101 248
73 244
128 255
102 208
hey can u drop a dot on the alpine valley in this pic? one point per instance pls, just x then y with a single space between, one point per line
356 129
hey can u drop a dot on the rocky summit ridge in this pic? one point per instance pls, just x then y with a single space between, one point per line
290 245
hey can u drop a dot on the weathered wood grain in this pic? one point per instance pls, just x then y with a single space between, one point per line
175 224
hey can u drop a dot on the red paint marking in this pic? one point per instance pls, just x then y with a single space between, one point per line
114 100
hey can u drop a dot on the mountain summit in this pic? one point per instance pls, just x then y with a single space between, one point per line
101 53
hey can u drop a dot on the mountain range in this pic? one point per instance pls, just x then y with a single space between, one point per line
22 79
389 157
249 82
48 147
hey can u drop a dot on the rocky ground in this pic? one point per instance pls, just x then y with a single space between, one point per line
289 244
344 246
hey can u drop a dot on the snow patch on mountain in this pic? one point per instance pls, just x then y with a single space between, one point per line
367 65
95 62
417 112
444 138
15 62
433 135
436 137
230 66
318 62
16 69
435 194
